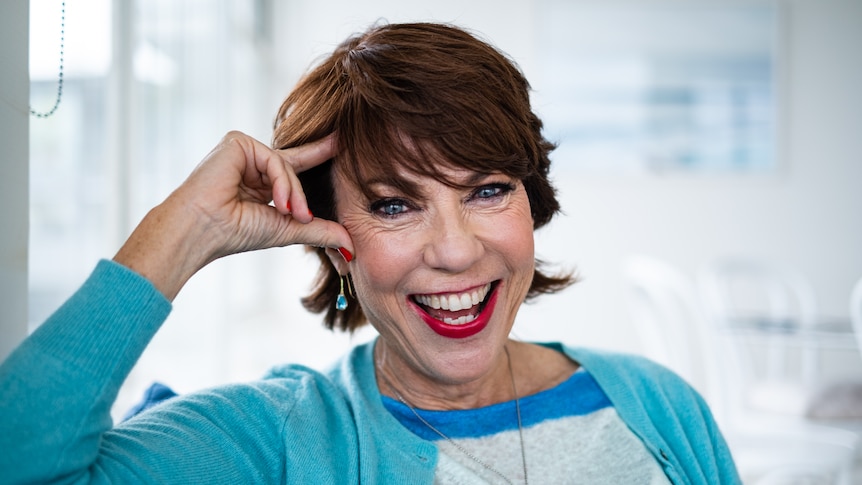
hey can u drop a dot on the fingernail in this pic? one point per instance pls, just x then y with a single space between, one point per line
309 213
345 254
288 206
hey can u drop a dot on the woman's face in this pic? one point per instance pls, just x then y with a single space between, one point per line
441 275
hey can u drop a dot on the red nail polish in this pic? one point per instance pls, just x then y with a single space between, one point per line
309 213
288 206
345 254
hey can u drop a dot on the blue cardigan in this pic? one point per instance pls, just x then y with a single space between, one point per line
296 425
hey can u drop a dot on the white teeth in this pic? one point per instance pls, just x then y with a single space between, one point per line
455 301
460 320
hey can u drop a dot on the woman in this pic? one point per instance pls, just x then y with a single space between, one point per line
411 162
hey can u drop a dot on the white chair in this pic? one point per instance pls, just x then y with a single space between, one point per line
663 306
668 317
768 315
745 294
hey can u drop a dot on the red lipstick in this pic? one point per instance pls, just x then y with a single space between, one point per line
460 331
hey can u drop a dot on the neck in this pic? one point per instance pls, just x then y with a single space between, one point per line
397 379
487 465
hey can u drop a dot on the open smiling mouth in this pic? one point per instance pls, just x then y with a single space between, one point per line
457 315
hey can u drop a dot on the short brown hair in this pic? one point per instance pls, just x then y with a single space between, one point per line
405 95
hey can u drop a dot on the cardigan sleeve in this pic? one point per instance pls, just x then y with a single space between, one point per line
57 387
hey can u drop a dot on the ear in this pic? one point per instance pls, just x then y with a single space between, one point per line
339 261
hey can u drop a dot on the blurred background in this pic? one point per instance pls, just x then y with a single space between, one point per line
699 141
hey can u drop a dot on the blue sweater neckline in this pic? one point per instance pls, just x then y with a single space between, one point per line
578 395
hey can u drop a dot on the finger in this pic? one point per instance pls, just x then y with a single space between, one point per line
298 159
297 203
288 196
286 190
325 234
260 164
310 155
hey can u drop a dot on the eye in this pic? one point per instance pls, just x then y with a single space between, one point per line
390 207
490 191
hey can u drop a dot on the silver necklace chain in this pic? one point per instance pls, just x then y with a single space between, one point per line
461 448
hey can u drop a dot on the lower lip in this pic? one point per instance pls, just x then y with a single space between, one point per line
461 331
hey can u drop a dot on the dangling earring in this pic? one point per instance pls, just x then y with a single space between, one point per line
341 300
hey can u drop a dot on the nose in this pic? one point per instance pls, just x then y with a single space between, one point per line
453 244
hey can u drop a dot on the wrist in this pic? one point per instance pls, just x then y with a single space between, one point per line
167 247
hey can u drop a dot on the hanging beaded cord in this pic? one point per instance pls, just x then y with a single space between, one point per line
60 75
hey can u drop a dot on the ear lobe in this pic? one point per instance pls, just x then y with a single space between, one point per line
339 260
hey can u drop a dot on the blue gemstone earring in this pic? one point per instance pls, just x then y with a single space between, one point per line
341 300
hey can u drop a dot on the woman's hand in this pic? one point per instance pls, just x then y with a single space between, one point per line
224 208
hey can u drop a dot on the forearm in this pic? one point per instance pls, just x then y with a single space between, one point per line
57 388
168 247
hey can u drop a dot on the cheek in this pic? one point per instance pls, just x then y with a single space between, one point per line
520 249
519 229
381 257
516 246
516 239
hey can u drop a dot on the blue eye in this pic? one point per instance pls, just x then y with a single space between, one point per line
492 190
389 207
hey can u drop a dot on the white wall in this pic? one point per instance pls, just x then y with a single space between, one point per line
311 29
14 160
809 215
